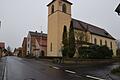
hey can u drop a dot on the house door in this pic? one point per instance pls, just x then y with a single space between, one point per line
42 53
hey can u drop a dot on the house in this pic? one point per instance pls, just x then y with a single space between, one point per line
37 44
2 47
18 52
24 47
59 16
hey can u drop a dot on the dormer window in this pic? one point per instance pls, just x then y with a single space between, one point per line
52 9
64 8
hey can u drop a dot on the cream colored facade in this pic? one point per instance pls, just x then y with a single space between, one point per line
57 20
110 42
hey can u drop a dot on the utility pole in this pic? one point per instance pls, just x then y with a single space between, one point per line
0 24
41 40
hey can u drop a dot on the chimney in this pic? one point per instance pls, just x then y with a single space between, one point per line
41 32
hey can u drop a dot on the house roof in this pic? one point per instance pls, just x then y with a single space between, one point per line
61 0
37 34
40 42
24 41
77 24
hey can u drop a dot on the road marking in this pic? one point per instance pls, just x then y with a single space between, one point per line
78 76
5 73
70 71
94 77
55 67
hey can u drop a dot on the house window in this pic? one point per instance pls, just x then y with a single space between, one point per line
111 45
51 47
64 8
105 42
95 41
101 42
28 39
52 9
28 45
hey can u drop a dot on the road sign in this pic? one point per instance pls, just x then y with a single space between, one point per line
118 9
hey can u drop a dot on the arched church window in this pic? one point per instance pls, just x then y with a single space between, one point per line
64 8
95 41
51 47
105 42
52 9
100 42
111 45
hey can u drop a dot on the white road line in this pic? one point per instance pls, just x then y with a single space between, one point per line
55 67
94 77
70 71
5 73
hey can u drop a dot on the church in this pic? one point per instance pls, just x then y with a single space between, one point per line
59 15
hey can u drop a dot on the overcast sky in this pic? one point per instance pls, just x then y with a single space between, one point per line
20 16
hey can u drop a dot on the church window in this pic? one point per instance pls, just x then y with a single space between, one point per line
64 8
52 9
101 42
51 47
28 45
111 45
95 41
105 42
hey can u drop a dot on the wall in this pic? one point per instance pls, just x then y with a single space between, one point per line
56 22
114 46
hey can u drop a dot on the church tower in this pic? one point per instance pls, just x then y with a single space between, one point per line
59 15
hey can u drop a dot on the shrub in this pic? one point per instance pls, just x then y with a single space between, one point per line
118 52
116 70
95 52
65 52
71 41
105 52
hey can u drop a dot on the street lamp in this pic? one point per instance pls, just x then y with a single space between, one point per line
118 10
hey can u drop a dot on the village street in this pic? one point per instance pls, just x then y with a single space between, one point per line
31 69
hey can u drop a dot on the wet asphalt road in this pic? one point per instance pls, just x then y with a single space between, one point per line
2 65
30 69
102 71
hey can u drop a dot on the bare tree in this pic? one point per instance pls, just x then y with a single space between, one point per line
82 38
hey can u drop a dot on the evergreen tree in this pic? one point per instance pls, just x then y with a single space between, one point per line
71 41
65 43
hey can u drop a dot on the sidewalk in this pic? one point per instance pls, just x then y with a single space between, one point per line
2 64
